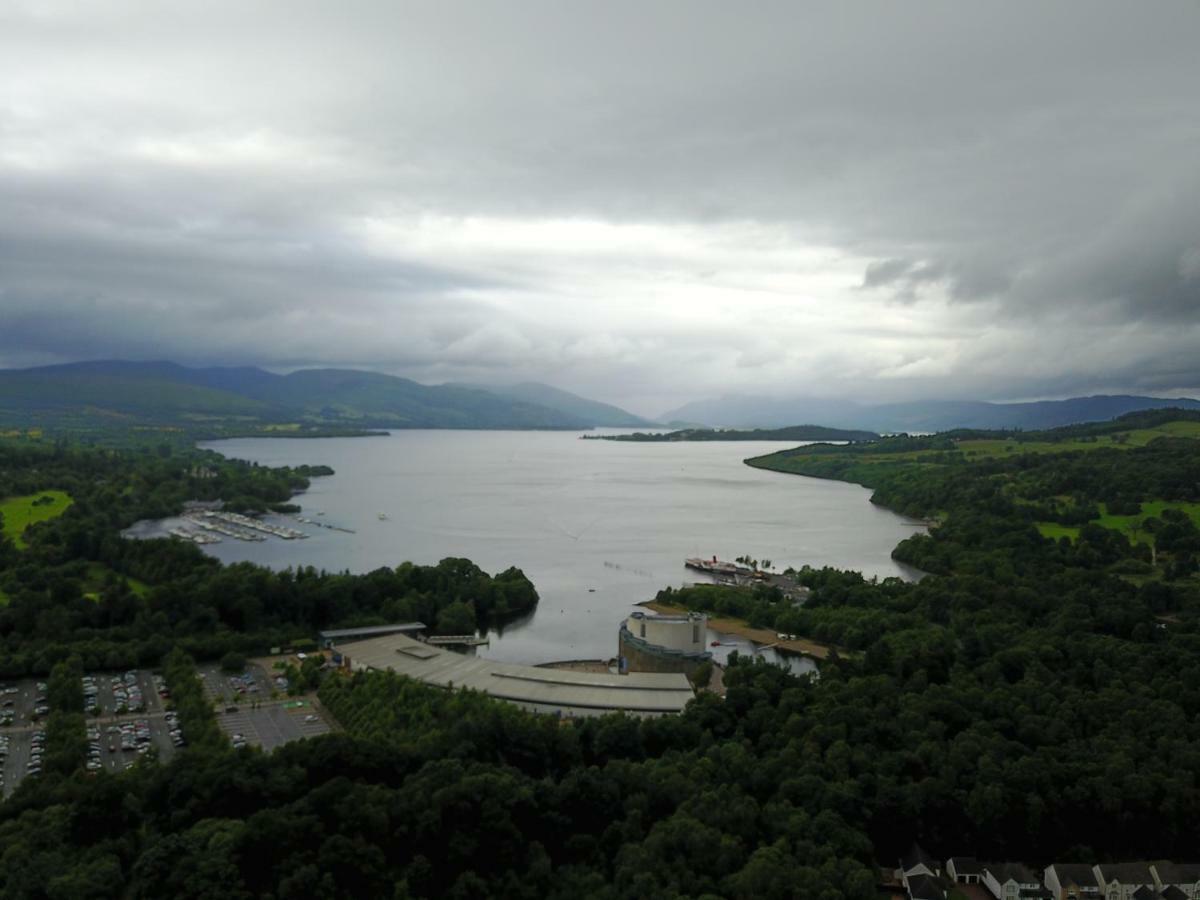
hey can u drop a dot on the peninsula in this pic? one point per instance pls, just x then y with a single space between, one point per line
791 433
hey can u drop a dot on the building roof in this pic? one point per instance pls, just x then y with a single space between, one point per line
1126 873
1078 874
1017 872
1177 873
916 856
1145 893
542 690
687 618
1171 892
922 887
965 865
369 631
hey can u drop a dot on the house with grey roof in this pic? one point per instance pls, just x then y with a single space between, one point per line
964 870
1120 881
1184 877
924 887
1013 881
917 862
1071 881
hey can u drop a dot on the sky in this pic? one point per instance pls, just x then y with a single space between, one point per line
647 203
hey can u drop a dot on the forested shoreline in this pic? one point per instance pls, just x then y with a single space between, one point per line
1035 698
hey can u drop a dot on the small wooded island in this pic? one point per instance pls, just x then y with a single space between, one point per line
790 433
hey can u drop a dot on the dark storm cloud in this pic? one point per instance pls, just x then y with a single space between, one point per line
615 196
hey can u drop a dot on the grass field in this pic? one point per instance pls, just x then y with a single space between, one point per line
98 573
1130 526
975 450
21 512
1055 531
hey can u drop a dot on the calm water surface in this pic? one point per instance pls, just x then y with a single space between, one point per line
597 525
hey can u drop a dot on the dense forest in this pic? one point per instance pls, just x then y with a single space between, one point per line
1036 697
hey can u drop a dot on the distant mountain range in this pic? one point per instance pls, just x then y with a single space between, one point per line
765 412
248 400
222 400
599 414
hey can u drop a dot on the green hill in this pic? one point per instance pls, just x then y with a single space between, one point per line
219 401
593 412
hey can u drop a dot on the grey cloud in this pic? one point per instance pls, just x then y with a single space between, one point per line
186 180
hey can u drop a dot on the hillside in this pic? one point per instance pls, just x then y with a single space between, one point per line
219 401
602 415
924 416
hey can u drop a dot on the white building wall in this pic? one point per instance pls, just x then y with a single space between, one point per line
674 632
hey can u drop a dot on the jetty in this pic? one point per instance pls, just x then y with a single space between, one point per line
244 528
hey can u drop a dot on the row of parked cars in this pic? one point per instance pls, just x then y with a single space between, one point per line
243 683
37 746
173 729
8 700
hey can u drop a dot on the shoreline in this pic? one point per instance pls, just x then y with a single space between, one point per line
764 636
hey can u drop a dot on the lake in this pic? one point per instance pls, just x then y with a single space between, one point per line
597 525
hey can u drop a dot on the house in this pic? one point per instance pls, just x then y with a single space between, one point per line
924 887
1184 877
964 870
1013 881
918 862
1119 881
1071 881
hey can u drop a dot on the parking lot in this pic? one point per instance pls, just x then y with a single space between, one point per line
126 719
23 703
20 755
254 708
253 684
272 725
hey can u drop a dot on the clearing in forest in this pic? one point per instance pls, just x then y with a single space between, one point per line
21 512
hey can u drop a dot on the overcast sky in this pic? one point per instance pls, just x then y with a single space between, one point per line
644 202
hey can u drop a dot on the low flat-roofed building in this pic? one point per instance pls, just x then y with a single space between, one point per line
331 636
556 691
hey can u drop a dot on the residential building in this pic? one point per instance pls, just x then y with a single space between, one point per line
964 870
1071 881
1184 877
1119 881
918 862
924 887
1013 881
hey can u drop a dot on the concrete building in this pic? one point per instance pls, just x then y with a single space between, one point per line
331 636
663 643
555 691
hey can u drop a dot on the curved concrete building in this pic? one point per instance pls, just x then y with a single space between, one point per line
664 643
